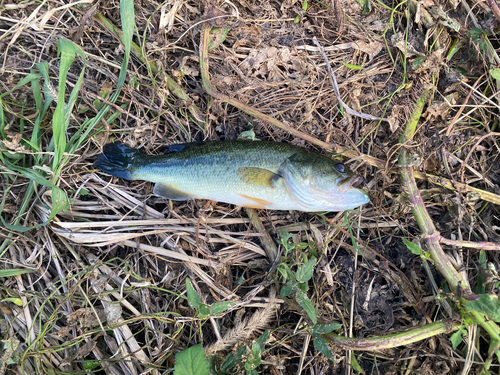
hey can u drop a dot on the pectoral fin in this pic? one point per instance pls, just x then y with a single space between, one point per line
258 176
169 192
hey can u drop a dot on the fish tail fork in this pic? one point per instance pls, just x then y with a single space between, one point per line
116 160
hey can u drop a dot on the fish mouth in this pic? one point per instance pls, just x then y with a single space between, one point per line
354 182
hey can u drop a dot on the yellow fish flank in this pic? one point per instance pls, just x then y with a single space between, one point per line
254 174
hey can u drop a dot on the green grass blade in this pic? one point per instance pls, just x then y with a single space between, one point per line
127 16
67 54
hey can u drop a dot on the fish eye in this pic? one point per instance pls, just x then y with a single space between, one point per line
340 167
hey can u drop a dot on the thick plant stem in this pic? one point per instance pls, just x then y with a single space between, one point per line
393 340
430 235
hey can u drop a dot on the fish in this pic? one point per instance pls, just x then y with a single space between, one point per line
255 174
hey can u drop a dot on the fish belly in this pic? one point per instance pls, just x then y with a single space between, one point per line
221 184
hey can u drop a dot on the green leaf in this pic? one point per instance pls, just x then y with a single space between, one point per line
263 338
487 304
417 62
219 307
456 339
297 19
286 271
191 361
90 364
307 305
289 288
194 299
321 346
454 48
253 360
413 247
204 311
15 300
305 272
9 348
320 329
59 202
304 5
495 73
233 359
355 365
353 67
475 34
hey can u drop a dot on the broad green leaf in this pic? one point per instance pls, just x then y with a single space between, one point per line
495 73
289 288
253 360
320 329
219 307
322 346
263 338
193 298
191 361
307 305
203 311
413 247
476 34
487 304
456 339
304 5
305 272
233 359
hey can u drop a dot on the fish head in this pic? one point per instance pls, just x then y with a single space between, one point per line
324 185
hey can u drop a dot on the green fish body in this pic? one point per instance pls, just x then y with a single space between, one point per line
254 174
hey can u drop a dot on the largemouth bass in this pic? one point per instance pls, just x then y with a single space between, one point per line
253 174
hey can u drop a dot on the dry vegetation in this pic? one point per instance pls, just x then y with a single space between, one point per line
108 263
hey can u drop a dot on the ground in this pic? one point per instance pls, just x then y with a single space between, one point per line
100 275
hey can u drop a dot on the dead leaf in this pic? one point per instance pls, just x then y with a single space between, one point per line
15 143
167 18
82 352
85 317
372 48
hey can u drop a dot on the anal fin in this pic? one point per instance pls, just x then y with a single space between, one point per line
258 202
169 192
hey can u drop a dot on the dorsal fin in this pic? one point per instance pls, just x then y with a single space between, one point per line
258 176
183 146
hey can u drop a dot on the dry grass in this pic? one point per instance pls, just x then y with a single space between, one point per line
107 280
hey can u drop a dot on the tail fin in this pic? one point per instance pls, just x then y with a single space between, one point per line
116 160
